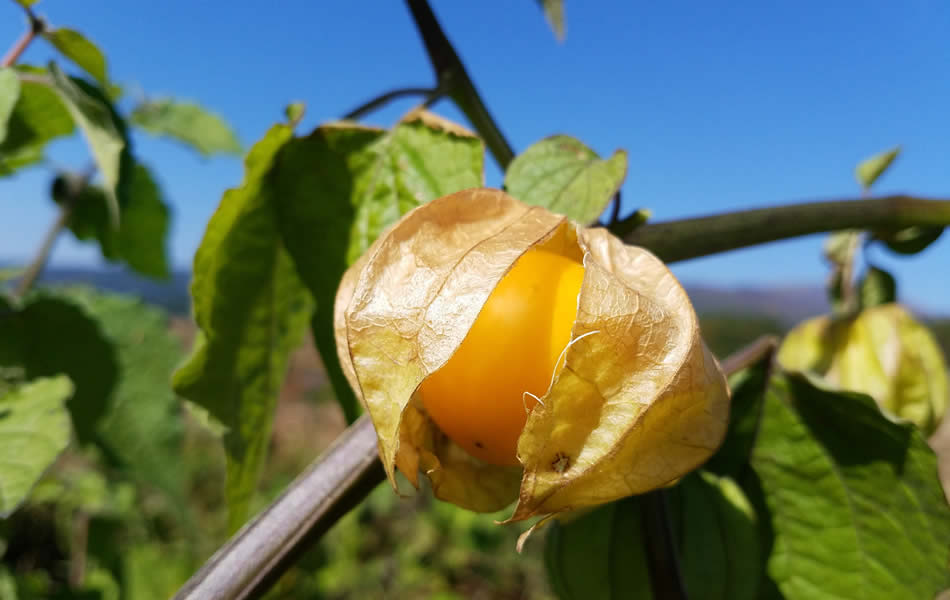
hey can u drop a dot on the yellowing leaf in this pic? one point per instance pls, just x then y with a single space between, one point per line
883 352
639 402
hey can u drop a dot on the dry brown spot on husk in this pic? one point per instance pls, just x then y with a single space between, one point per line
640 401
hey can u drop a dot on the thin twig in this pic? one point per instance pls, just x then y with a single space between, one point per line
66 209
690 238
453 78
78 549
37 26
760 349
615 210
35 268
362 110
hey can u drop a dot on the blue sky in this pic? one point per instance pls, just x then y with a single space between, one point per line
721 106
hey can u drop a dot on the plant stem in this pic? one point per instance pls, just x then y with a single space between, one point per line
662 555
452 77
362 110
76 184
760 349
37 26
690 238
39 261
614 210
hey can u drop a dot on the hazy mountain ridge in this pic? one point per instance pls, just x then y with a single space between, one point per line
786 304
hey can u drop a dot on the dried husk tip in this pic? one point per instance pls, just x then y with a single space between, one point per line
639 402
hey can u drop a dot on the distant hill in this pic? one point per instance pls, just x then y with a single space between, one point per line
171 294
787 305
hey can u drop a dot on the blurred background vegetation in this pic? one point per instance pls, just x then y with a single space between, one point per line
136 521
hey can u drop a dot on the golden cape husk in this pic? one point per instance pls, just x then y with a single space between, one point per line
883 352
639 402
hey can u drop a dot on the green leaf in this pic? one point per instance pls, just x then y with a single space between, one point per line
718 539
554 13
38 117
151 571
294 112
143 428
74 46
877 287
252 310
868 170
104 131
51 336
27 2
139 241
856 506
189 123
9 94
599 555
748 391
34 430
910 240
349 183
565 176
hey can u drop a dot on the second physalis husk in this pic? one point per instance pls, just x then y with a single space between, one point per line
639 401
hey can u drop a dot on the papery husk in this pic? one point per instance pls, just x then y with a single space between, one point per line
883 352
639 402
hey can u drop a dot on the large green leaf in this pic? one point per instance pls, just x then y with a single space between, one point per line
718 539
349 183
140 238
869 170
599 555
50 336
564 175
77 48
252 310
38 117
104 131
856 506
188 123
554 13
9 93
748 391
34 429
143 428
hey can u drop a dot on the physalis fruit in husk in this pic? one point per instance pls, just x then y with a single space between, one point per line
510 354
883 352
